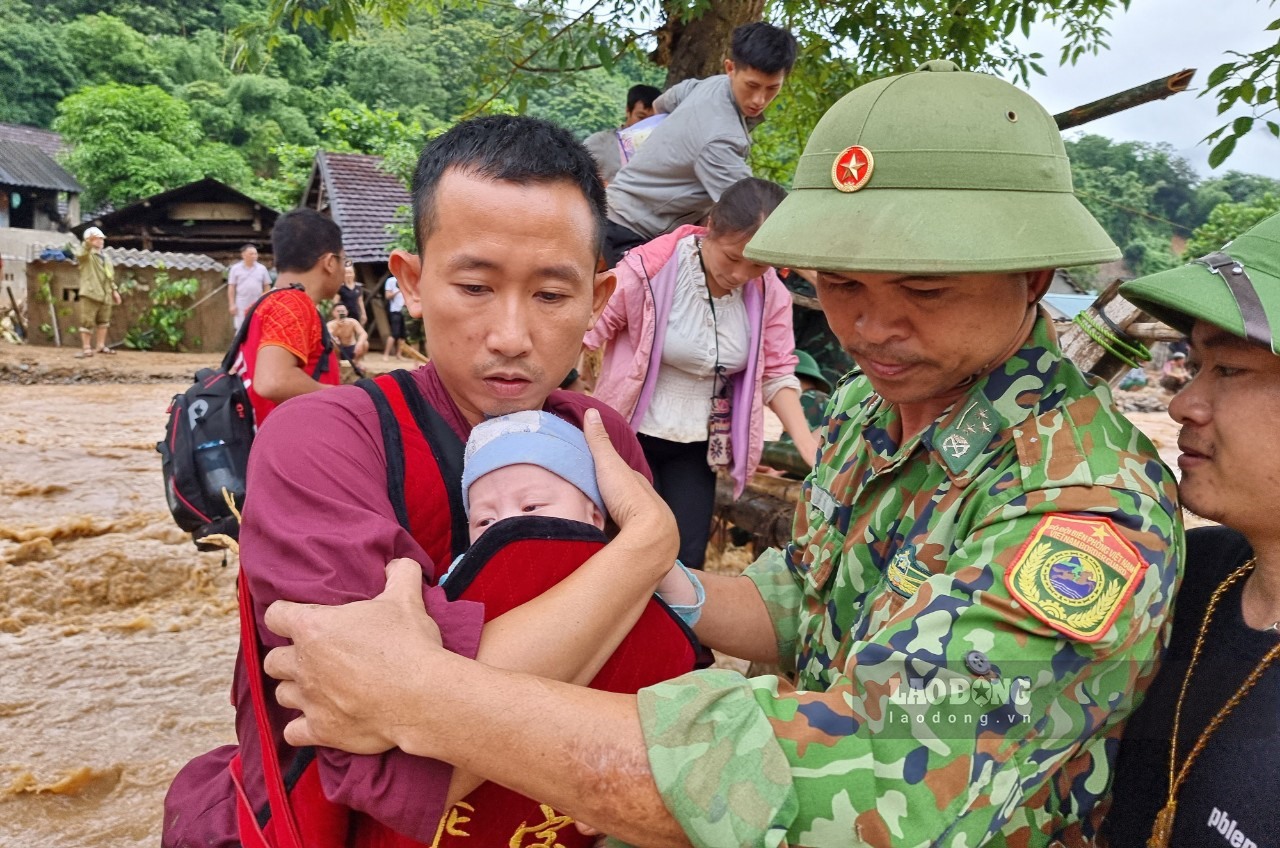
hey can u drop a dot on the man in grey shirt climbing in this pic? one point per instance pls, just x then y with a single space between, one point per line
701 148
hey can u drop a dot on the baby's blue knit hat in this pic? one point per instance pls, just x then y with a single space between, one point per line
533 438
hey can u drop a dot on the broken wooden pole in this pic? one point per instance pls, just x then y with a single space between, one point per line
1157 89
1090 341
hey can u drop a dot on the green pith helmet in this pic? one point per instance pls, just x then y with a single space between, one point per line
1236 288
808 367
938 171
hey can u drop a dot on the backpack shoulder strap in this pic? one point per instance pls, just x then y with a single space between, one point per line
326 340
278 806
412 428
393 445
326 347
447 449
243 333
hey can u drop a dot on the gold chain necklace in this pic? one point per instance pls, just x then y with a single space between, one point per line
1162 829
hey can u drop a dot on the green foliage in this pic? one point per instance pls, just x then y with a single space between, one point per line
130 142
1136 191
1231 187
537 40
246 91
1229 220
36 71
1250 81
195 58
283 189
109 50
163 322
147 16
1144 196
376 131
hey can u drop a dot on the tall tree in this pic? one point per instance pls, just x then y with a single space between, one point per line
129 142
36 71
1229 220
858 40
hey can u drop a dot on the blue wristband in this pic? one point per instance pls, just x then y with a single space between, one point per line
690 613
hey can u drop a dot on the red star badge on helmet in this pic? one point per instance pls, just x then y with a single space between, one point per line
852 168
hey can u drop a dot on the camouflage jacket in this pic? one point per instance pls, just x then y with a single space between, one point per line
967 617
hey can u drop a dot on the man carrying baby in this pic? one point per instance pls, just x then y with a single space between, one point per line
506 300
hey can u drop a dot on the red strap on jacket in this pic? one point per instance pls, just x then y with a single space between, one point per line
514 561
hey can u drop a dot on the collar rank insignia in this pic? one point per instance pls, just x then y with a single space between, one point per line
852 168
905 574
1075 574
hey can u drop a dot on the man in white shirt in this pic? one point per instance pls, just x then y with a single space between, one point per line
395 315
246 281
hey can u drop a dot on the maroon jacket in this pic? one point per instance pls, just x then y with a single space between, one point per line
319 528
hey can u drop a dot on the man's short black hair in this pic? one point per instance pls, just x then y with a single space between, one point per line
301 237
763 46
645 94
249 246
509 148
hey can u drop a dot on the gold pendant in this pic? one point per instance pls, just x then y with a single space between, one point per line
1162 830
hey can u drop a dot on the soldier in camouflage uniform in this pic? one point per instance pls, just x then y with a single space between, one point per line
981 565
815 390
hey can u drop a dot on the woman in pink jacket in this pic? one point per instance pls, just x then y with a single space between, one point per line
699 342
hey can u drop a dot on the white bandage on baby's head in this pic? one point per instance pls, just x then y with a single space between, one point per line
530 438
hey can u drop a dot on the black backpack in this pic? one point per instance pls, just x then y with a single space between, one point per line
205 451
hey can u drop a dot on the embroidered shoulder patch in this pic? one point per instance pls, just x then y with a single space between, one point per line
1075 574
905 574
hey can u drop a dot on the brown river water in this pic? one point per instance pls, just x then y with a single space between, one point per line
117 638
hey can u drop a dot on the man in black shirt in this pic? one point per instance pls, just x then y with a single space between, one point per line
351 295
1199 762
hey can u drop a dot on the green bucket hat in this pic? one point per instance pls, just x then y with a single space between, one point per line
1236 288
938 171
808 367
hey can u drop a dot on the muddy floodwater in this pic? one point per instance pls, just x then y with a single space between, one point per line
117 638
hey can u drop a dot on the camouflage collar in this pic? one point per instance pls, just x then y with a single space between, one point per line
964 434
1007 396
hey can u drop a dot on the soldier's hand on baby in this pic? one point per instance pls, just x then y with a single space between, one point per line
350 668
631 501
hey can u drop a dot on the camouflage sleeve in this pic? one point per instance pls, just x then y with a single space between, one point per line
783 599
953 707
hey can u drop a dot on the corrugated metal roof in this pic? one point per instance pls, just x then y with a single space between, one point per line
27 166
364 200
1067 305
130 258
50 142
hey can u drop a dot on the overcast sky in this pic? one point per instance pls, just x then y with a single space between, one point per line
1153 39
